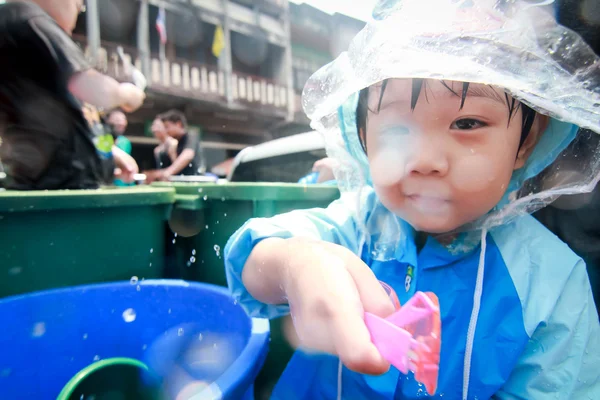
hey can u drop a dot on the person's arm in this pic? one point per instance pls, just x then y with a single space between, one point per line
182 161
171 147
306 260
103 91
562 357
126 165
85 83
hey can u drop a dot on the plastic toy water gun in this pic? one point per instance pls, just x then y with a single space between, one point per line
410 338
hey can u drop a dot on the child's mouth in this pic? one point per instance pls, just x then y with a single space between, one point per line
429 204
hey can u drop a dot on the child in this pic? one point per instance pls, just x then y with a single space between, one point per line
442 108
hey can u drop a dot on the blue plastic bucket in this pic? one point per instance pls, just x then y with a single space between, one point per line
191 340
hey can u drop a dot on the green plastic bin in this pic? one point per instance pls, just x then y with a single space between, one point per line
206 215
51 239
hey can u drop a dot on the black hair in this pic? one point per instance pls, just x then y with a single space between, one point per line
174 116
417 85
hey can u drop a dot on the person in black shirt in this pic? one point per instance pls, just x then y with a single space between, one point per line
44 81
189 159
166 152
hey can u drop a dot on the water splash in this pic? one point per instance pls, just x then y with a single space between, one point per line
129 315
39 329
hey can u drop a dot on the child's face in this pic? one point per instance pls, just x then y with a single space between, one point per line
439 166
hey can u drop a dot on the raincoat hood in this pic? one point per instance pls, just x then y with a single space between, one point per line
510 44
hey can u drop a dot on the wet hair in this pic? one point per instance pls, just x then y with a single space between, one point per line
174 116
417 85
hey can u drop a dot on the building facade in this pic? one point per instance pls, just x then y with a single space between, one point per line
235 67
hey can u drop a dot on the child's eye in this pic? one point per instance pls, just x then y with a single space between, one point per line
467 124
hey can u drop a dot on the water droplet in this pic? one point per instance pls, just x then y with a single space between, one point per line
85 336
81 398
175 234
38 329
205 197
222 198
51 243
205 226
217 222
200 190
217 250
133 280
129 315
194 252
225 214
151 250
150 264
5 372
192 259
180 332
169 311
138 288
96 357
15 271
200 337
174 241
144 347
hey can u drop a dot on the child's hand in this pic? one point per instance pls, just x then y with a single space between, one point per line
328 289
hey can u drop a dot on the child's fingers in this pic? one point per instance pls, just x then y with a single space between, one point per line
353 343
373 297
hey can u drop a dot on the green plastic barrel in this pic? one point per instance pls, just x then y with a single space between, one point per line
51 239
206 215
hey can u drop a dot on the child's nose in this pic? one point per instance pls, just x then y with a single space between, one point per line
428 158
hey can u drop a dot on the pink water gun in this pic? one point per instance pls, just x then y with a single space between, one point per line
410 338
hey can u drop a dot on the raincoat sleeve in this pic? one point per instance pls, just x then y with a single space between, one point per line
334 224
561 360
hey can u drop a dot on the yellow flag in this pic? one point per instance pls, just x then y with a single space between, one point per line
218 42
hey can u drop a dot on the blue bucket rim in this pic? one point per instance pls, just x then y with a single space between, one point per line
245 368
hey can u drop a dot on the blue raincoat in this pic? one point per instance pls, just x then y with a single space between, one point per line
537 333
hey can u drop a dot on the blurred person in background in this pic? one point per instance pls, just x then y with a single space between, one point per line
118 122
117 125
166 152
44 82
116 164
189 159
322 172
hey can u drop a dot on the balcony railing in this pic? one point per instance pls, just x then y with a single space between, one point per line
195 80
